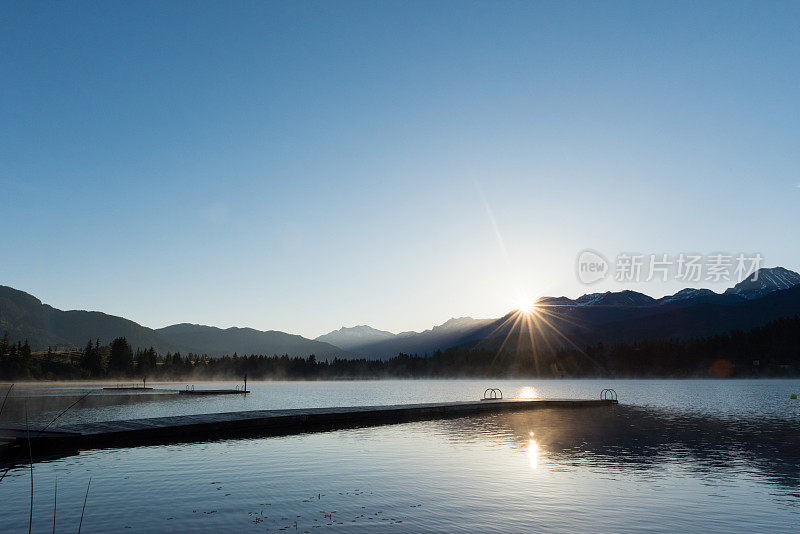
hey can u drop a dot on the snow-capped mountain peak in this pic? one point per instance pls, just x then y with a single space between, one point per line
618 298
353 337
765 281
687 294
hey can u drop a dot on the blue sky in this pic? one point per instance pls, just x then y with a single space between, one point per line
303 166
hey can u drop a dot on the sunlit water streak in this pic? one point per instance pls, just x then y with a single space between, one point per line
711 456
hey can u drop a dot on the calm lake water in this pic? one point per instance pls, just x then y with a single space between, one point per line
697 456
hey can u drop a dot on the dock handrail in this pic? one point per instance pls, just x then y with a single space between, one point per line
608 394
492 393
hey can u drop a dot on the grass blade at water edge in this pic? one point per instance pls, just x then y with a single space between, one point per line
84 504
30 455
6 398
55 505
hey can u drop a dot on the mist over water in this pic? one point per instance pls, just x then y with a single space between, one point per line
711 456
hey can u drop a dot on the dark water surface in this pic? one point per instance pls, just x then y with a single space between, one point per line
695 456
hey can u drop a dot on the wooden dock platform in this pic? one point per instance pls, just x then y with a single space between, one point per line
183 428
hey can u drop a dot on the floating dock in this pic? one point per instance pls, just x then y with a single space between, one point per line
183 428
212 391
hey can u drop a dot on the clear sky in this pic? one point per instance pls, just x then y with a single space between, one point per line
301 166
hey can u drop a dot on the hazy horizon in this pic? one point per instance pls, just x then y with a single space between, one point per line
314 336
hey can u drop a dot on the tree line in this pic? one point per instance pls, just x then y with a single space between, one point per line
769 350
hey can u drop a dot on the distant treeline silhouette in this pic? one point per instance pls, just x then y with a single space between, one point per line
769 350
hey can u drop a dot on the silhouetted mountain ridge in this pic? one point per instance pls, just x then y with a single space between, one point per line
217 341
425 342
24 316
354 337
557 322
629 316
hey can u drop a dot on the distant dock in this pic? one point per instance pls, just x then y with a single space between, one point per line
183 428
187 391
212 391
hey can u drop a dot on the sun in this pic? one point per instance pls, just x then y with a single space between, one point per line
526 304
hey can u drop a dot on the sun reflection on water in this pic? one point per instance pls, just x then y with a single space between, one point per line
533 453
528 393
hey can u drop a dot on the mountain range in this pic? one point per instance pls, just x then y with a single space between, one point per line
377 344
628 316
596 317
556 322
355 337
24 316
214 341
